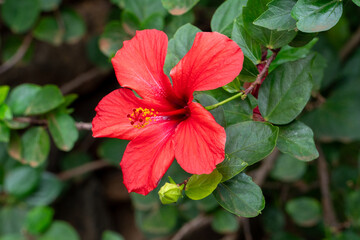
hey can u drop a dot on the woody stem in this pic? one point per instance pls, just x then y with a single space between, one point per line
211 107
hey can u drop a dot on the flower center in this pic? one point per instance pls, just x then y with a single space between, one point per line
140 117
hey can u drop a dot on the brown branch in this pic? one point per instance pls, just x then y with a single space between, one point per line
247 231
330 219
194 224
82 79
262 73
43 122
18 55
350 46
86 168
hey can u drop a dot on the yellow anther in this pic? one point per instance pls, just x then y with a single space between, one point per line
140 117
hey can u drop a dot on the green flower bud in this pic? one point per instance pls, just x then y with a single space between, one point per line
170 193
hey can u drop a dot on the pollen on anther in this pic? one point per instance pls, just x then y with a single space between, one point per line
141 117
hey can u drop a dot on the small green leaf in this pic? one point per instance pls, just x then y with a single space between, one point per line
201 186
352 208
112 38
75 27
225 222
5 112
48 98
38 219
112 150
357 2
48 30
240 196
250 141
21 97
14 146
297 140
20 15
229 168
21 181
47 191
278 16
3 93
286 91
11 46
154 21
110 235
288 169
60 230
179 7
317 15
63 130
4 132
12 219
144 8
49 5
305 211
223 18
35 146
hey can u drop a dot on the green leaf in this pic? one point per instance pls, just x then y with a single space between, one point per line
95 55
5 112
357 2
63 130
112 38
207 100
250 141
110 235
21 181
250 48
273 219
49 5
305 211
352 208
21 96
144 8
35 146
13 237
231 167
12 219
48 30
60 230
112 150
288 169
11 45
4 90
278 16
286 91
297 140
317 15
223 18
175 22
4 132
161 221
39 219
47 191
179 7
240 196
224 222
14 146
15 124
130 22
269 38
48 98
154 21
302 39
201 186
75 27
20 15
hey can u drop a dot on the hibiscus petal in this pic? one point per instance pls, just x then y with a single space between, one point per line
148 156
139 65
111 114
199 142
213 61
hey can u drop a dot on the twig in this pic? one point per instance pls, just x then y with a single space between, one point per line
259 175
246 226
349 47
262 73
196 223
43 122
82 79
18 55
89 167
330 219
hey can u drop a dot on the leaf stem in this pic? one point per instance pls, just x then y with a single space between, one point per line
211 107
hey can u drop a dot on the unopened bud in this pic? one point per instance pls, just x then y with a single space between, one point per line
170 193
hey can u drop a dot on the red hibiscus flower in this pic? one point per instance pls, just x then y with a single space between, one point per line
165 122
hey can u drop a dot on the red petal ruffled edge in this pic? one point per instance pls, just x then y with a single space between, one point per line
213 61
139 65
148 156
199 142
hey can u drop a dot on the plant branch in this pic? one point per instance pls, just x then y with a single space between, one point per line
262 73
330 219
43 122
196 223
18 55
350 46
86 168
259 175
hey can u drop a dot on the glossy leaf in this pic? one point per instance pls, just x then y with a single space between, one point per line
250 141
63 130
179 7
21 181
305 212
201 186
277 16
38 219
230 167
35 146
240 196
48 30
247 74
317 15
21 97
60 230
288 169
286 91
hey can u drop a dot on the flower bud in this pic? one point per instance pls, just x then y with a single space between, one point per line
170 193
